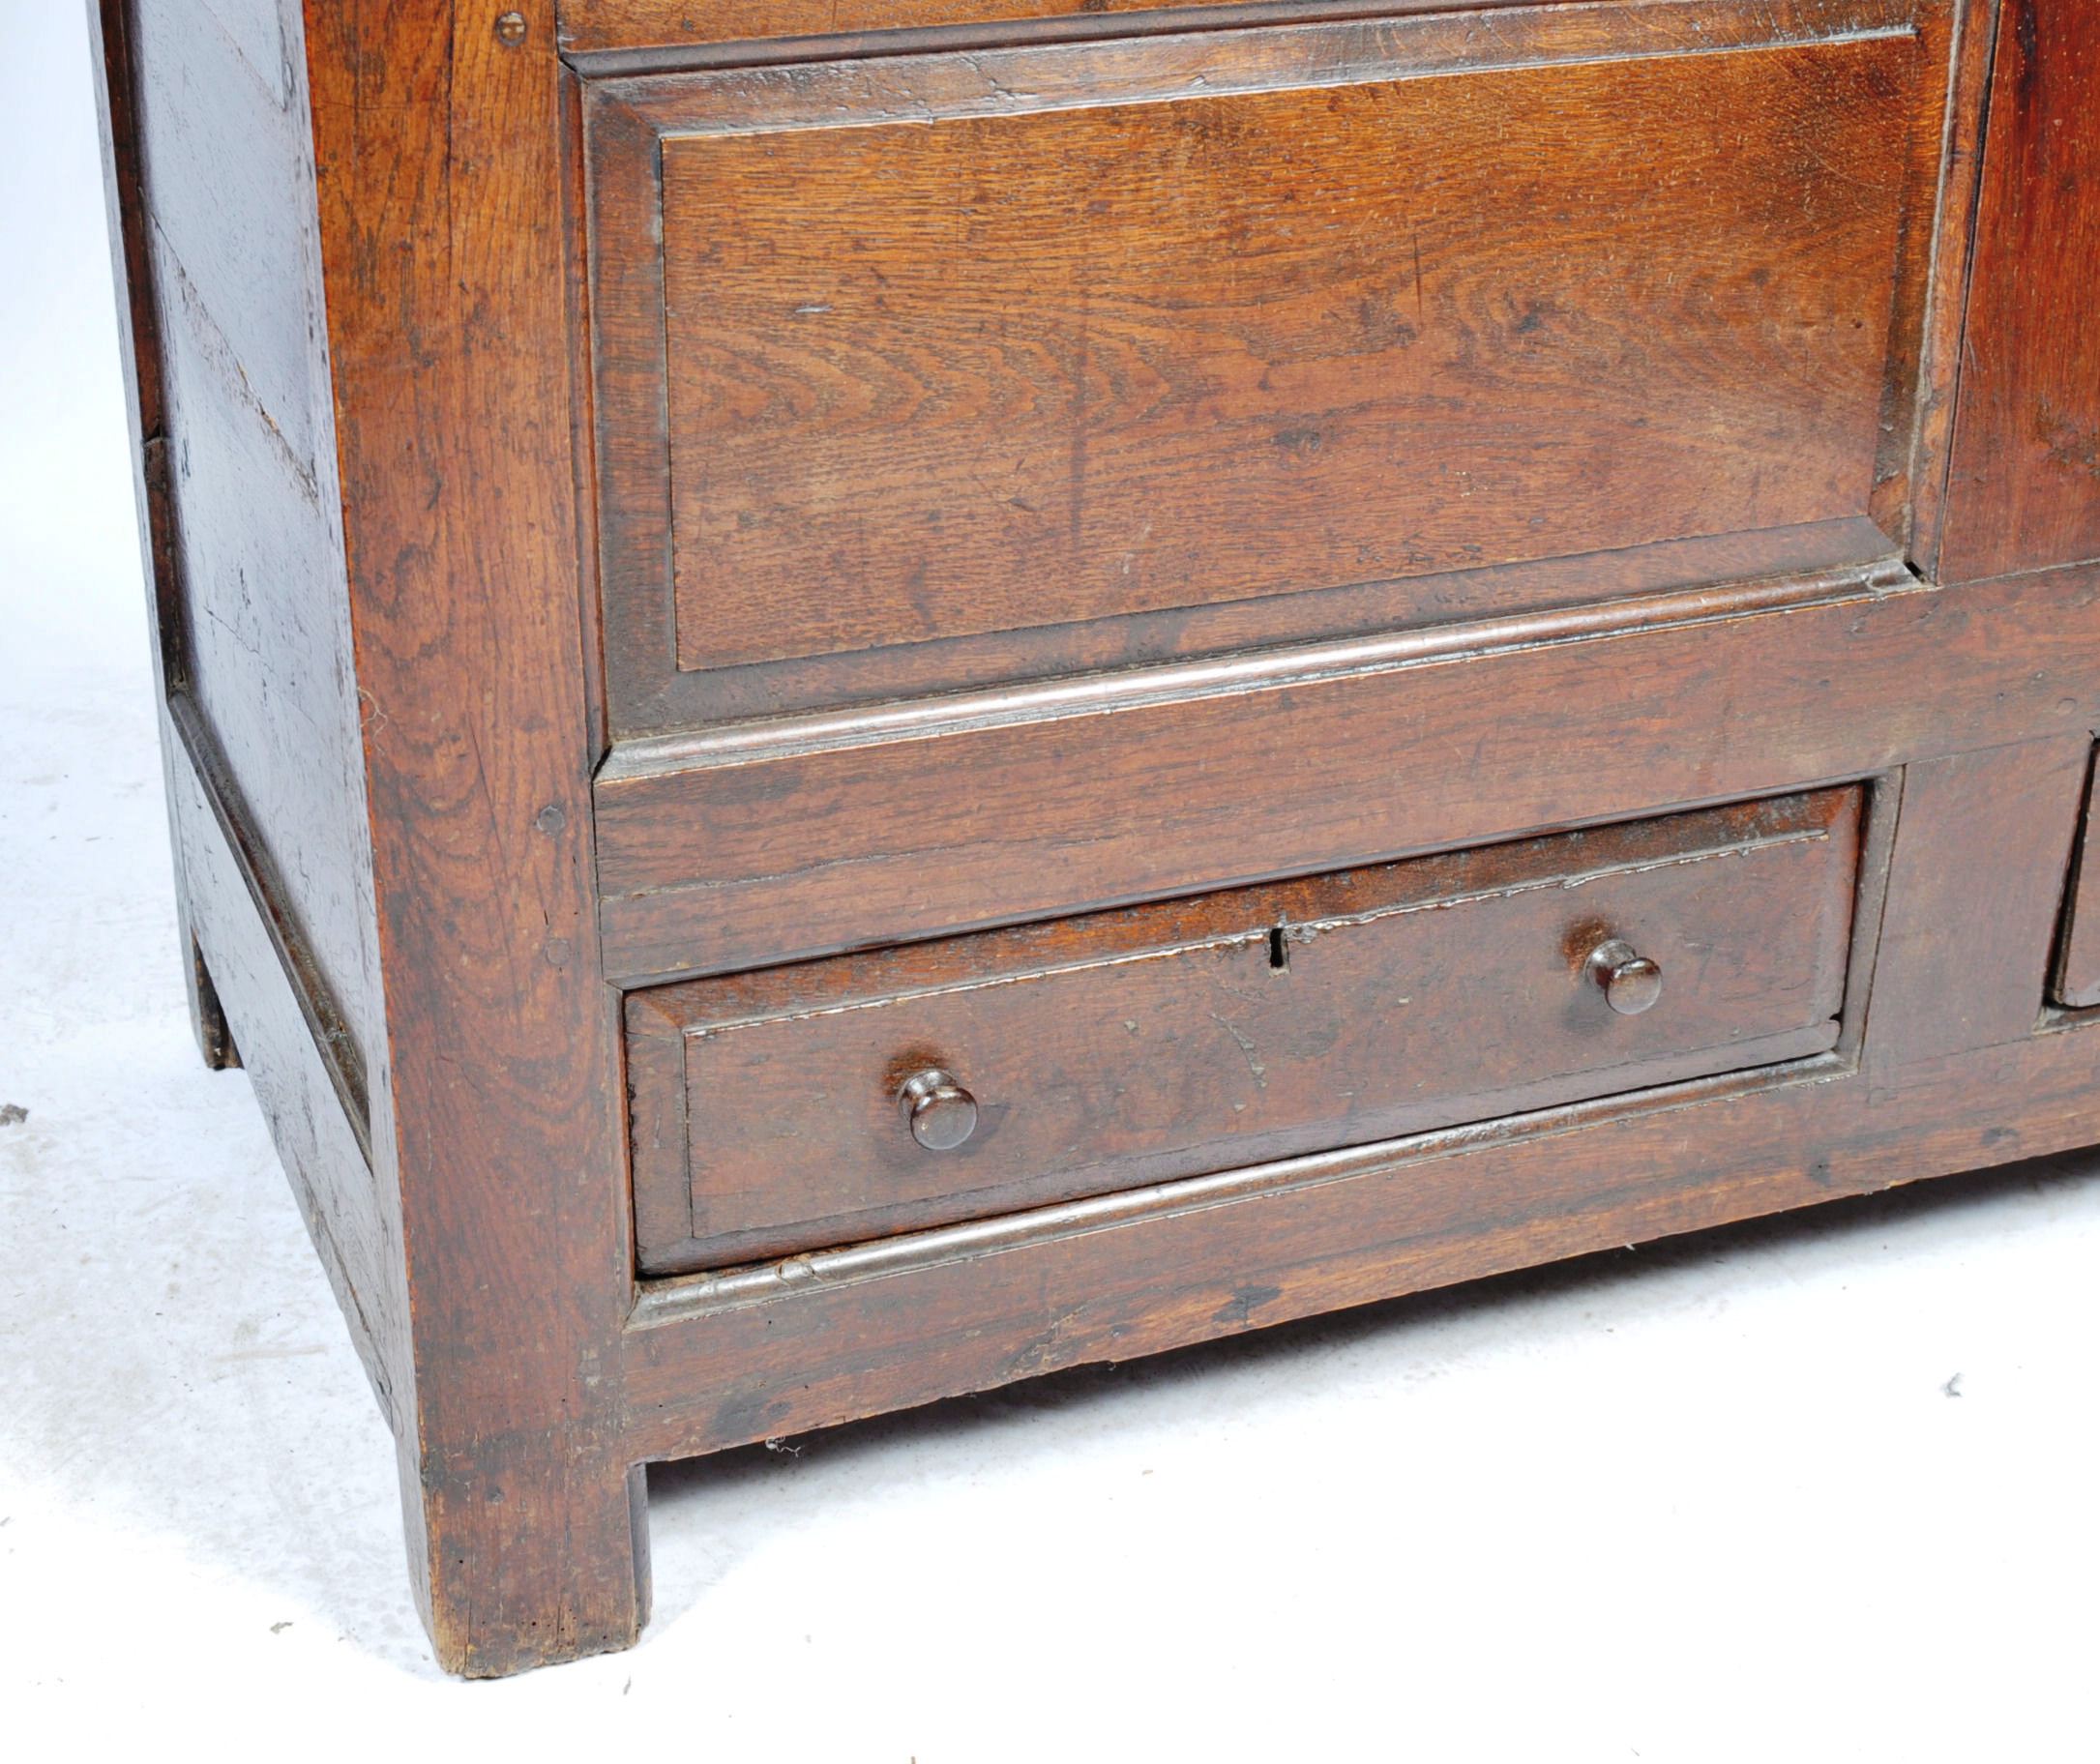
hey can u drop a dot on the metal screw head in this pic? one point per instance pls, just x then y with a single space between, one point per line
510 30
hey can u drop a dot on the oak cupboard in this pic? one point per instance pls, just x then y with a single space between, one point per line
865 698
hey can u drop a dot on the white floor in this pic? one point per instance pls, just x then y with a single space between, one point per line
1817 1489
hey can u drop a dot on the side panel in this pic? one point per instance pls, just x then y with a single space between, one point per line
209 182
255 624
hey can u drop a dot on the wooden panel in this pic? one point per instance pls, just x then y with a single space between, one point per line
254 977
935 380
146 413
1143 1045
1974 894
320 1136
2078 960
265 656
229 171
2024 491
1034 806
254 615
1167 426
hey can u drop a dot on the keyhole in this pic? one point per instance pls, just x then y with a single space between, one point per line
1278 950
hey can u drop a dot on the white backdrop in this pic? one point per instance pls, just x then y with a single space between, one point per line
69 550
1818 1488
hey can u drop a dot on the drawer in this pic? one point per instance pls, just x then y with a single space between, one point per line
866 1094
924 370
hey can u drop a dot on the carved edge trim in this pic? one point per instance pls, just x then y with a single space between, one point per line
1880 815
596 51
1015 72
1958 212
1292 664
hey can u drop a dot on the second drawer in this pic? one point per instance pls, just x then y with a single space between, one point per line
869 1094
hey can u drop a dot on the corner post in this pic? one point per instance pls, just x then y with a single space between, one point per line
440 151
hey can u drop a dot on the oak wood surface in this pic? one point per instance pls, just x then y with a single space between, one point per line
1969 946
1169 1039
1921 488
396 340
254 628
601 28
996 372
2024 487
878 1329
244 925
138 350
440 183
728 861
323 1141
989 415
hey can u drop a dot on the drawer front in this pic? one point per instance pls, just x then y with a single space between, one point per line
850 1097
959 355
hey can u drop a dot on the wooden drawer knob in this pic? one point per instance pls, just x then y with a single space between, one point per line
941 1113
1629 982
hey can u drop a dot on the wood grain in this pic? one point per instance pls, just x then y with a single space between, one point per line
423 408
448 308
884 1328
1157 1268
1143 411
230 165
1165 1041
255 626
278 944
2025 485
145 403
1968 944
736 860
1917 518
600 30
324 1145
987 373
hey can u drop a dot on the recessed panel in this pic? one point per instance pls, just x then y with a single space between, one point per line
938 379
